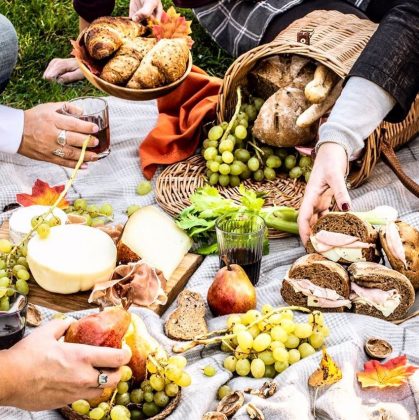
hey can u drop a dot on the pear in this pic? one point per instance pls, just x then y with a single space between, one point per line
231 291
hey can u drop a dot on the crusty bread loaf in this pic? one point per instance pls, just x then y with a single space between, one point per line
375 276
348 224
410 240
188 320
105 35
321 272
119 69
165 63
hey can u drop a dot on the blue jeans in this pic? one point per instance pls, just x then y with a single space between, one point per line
8 51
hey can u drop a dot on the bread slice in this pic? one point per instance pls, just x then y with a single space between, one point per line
348 224
410 240
188 320
321 272
375 276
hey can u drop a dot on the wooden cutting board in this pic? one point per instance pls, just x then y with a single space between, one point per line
78 301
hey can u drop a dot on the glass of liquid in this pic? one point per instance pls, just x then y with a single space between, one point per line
95 110
13 322
240 239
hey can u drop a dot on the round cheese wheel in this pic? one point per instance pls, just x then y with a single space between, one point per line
72 258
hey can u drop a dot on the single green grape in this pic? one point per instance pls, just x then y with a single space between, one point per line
97 221
22 287
150 409
242 116
213 179
35 220
246 174
273 162
205 143
157 382
226 146
236 168
5 246
126 373
257 367
209 173
136 414
243 367
224 125
258 175
305 162
281 153
185 380
106 209
258 103
43 230
81 407
53 221
240 132
270 371
281 366
136 396
18 267
267 151
161 399
209 370
93 210
230 362
269 174
267 357
210 153
224 169
119 412
213 143
253 164
144 187
224 180
215 132
306 350
295 172
2 264
171 389
10 292
123 399
179 361
105 406
132 209
243 122
242 154
316 340
173 372
223 391
251 112
234 181
293 356
280 354
96 413
228 157
22 261
303 330
290 162
214 166
292 341
88 219
148 396
307 176
262 342
80 204
218 159
23 275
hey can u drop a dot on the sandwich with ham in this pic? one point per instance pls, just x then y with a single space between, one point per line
317 283
400 242
344 238
380 291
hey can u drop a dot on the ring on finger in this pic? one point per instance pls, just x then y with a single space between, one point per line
59 152
102 379
62 138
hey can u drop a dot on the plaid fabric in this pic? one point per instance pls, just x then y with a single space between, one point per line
239 25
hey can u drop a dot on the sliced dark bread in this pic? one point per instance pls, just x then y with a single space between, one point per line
375 276
410 240
188 320
348 224
321 272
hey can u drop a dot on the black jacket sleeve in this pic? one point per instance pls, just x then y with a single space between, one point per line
391 57
90 10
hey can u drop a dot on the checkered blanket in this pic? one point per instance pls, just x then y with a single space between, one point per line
114 179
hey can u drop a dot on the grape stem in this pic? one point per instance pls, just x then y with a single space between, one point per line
181 348
41 220
235 115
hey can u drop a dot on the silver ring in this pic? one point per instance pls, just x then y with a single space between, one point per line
62 138
59 152
102 379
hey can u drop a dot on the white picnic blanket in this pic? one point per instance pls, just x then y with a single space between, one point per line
114 180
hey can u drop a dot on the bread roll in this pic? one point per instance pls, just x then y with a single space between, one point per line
119 69
105 35
164 64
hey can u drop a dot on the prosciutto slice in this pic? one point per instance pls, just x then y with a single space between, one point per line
136 282
329 240
395 243
319 296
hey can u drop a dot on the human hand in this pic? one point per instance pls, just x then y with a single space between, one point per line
327 180
43 124
142 9
63 71
43 373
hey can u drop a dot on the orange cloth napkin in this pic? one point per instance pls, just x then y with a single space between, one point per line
181 112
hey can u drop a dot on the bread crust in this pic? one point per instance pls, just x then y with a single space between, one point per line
376 276
410 240
348 224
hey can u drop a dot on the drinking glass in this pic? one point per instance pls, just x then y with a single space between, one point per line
13 322
240 239
95 110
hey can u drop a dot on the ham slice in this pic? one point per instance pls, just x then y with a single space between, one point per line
319 296
329 240
136 282
395 243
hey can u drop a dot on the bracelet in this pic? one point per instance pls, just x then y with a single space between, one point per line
340 143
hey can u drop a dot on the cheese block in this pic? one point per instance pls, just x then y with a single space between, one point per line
20 221
72 258
153 236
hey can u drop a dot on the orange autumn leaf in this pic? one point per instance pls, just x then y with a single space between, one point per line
79 51
328 372
392 373
172 25
42 194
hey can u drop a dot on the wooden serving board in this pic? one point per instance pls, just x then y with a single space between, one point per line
78 301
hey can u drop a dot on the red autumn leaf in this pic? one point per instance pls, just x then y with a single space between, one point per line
42 194
79 51
172 25
393 373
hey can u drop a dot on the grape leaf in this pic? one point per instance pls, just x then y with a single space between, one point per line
327 374
79 51
42 194
393 373
172 25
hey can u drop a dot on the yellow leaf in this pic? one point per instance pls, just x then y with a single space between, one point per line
327 374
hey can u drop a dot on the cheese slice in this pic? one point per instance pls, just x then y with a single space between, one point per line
20 221
155 238
72 258
335 254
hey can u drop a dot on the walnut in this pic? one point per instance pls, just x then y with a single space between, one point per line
230 404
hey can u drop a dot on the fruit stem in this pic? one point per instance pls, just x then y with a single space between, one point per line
235 115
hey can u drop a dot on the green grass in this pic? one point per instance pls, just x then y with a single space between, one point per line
45 27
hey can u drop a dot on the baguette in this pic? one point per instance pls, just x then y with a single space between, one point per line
317 90
316 111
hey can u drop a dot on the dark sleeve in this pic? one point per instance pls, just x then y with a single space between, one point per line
391 57
90 10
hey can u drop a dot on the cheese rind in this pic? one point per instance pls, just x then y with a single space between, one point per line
72 258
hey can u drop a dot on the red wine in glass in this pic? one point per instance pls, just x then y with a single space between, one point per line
12 323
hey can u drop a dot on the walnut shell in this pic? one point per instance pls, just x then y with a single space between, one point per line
214 415
230 404
33 316
378 348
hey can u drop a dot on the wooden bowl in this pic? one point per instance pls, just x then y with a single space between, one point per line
127 93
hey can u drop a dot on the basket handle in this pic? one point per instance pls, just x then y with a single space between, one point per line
392 160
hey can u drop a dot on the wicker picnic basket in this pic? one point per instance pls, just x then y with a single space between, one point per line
336 41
